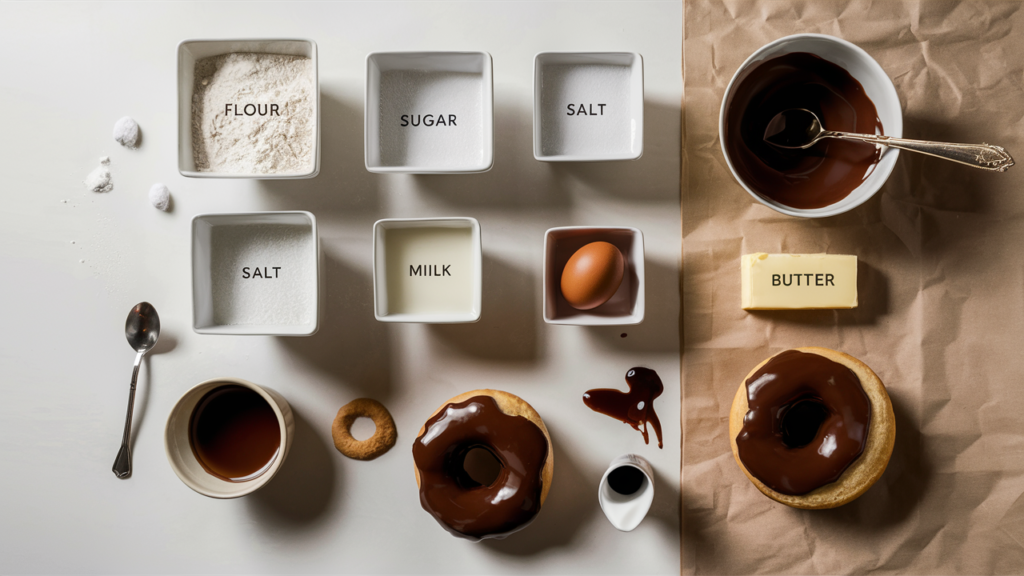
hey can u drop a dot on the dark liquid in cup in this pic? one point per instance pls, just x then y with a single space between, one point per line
626 480
234 433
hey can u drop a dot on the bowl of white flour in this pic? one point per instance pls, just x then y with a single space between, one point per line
248 109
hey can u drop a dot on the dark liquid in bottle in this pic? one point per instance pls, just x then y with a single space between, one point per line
626 480
234 433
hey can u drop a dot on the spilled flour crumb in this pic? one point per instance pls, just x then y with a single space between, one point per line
126 132
160 197
99 180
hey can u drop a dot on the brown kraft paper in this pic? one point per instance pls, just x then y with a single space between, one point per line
941 315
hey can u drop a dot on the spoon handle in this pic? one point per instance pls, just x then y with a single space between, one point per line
123 463
984 156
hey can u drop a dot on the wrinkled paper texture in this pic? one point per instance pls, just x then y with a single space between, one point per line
941 316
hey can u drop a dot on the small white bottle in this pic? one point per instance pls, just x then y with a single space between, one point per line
627 491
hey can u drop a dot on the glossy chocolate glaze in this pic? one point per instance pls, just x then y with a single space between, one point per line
234 433
807 422
461 505
635 407
828 171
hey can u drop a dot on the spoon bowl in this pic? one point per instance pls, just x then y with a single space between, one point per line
794 129
142 328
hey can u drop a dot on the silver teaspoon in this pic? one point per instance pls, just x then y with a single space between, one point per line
142 329
798 129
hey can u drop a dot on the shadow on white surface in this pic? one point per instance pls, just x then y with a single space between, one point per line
508 326
343 185
516 180
351 346
571 503
666 509
166 343
659 332
640 180
301 492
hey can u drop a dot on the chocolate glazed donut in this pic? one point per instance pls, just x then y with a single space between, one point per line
812 427
508 428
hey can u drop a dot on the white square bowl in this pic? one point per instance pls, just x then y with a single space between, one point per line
625 307
206 318
381 302
191 50
588 106
403 89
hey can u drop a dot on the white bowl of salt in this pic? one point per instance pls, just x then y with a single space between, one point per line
248 108
255 273
429 112
588 106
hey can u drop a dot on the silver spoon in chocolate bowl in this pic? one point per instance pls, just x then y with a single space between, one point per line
142 328
799 129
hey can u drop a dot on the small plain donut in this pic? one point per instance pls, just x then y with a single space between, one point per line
858 476
513 432
383 438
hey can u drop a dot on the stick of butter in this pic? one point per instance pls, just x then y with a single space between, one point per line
798 281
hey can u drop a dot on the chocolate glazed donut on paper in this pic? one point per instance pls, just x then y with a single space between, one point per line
812 428
512 431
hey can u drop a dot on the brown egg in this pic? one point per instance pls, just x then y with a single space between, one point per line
592 275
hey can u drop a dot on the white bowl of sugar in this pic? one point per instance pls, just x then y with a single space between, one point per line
429 112
248 108
255 273
588 106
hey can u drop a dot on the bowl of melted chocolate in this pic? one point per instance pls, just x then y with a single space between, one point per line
846 88
227 437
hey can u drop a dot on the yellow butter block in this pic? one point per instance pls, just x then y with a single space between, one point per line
798 281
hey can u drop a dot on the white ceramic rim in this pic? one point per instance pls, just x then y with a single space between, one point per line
258 329
181 94
635 79
249 486
487 112
585 319
432 318
897 131
633 461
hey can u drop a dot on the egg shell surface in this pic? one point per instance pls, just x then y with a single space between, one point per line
592 275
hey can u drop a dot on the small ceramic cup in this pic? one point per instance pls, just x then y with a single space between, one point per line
626 511
877 86
183 460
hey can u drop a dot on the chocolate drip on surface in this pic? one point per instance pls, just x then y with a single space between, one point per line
818 176
807 422
635 407
461 505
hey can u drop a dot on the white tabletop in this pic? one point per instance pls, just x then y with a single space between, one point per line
74 262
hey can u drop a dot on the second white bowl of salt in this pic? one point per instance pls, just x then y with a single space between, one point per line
255 273
588 106
429 112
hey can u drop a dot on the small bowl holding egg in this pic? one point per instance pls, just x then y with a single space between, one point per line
593 276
